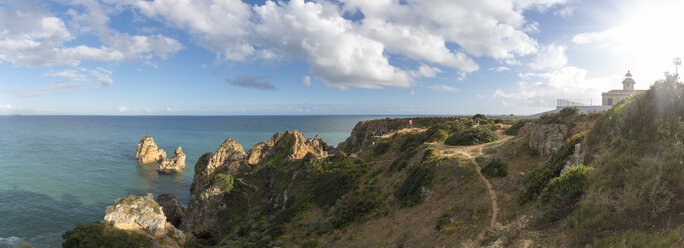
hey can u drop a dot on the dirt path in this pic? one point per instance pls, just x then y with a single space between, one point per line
472 152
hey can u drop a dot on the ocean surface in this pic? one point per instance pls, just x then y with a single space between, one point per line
56 171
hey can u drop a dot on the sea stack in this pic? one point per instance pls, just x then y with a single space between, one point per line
148 152
175 164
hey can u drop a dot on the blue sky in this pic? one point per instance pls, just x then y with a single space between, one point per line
232 57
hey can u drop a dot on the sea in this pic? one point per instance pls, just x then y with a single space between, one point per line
56 171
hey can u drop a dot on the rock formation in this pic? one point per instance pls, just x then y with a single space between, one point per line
545 138
213 177
173 210
175 164
148 152
137 213
292 141
142 214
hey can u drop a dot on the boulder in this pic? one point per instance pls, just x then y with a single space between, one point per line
175 164
148 152
137 213
173 210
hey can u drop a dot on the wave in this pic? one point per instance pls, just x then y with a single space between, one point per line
12 240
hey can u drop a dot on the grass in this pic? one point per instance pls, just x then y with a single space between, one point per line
410 192
495 168
97 234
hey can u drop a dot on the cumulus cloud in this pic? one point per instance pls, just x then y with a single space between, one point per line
34 36
345 53
251 81
102 76
443 88
542 89
550 57
66 85
122 109
425 71
564 12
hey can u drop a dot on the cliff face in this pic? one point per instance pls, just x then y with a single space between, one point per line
294 141
148 152
545 138
175 164
173 210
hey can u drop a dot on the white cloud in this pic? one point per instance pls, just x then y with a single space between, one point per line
102 77
564 12
170 109
425 71
306 81
122 109
443 88
66 85
7 107
499 69
550 57
542 89
35 37
71 74
343 53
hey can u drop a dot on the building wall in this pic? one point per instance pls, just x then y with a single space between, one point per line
616 98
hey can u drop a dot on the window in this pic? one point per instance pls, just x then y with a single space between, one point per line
610 101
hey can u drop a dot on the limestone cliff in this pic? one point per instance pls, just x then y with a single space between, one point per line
214 175
294 141
175 164
173 210
544 138
148 152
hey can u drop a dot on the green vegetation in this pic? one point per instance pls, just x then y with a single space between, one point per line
355 206
515 128
562 193
472 136
99 235
332 179
226 182
540 176
410 192
639 239
381 148
495 168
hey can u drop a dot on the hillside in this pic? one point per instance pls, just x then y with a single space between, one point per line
567 179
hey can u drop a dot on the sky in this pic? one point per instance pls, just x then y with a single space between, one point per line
327 57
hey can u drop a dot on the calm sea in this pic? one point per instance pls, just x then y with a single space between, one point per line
59 170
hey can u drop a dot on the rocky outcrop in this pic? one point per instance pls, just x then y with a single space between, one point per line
148 152
172 209
577 156
175 164
137 213
293 143
214 175
545 138
142 214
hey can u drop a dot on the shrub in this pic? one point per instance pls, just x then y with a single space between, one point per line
410 192
641 239
495 168
97 234
515 128
472 136
381 147
355 206
333 179
562 193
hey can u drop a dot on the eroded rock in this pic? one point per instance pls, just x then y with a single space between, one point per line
293 143
172 209
545 138
148 152
175 164
137 213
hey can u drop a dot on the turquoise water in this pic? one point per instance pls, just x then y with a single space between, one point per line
59 170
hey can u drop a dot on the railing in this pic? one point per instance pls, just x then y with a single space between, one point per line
577 102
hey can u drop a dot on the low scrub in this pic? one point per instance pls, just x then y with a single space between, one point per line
472 136
562 193
355 206
99 235
410 192
495 168
515 128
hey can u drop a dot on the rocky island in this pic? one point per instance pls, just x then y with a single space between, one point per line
566 179
148 152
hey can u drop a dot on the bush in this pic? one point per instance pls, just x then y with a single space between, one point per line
515 128
98 234
562 193
540 175
381 147
472 136
355 206
410 192
495 168
640 239
333 179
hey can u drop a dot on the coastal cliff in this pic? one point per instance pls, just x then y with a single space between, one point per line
173 165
